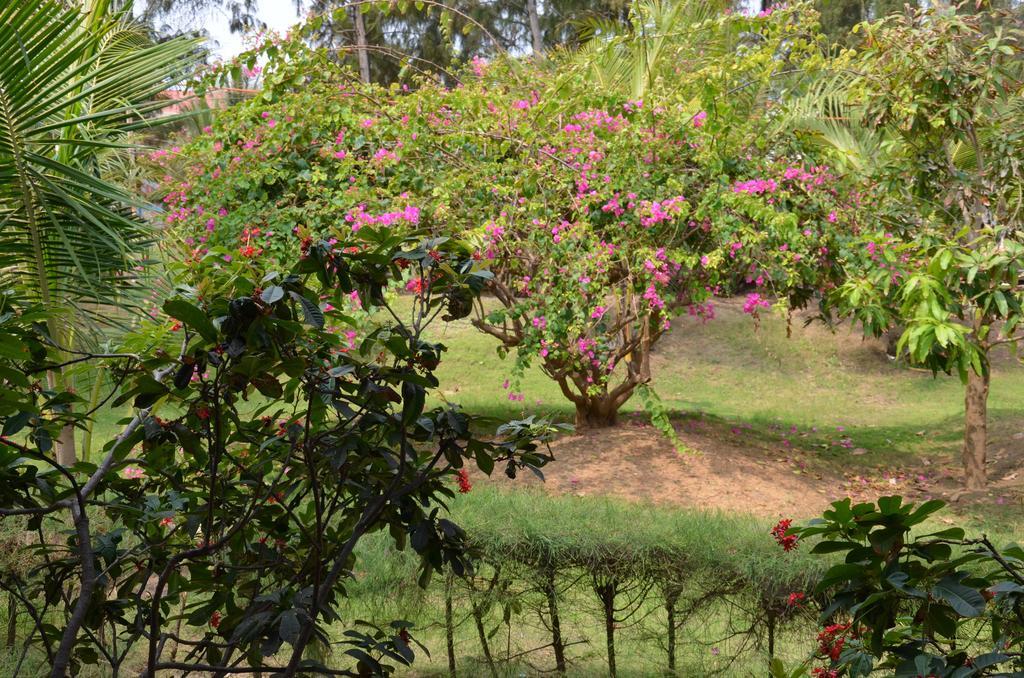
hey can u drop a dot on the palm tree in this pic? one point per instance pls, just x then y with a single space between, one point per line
658 37
74 83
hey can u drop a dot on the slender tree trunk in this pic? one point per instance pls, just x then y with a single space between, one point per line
65 445
556 624
94 401
57 380
535 34
361 53
671 597
606 591
449 625
478 618
975 429
12 620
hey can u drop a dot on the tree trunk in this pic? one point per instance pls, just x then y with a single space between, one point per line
557 644
361 53
449 625
535 34
12 620
65 444
975 429
671 598
597 414
478 618
606 592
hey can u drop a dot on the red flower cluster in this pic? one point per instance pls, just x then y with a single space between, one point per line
215 619
463 480
788 542
831 640
796 599
824 673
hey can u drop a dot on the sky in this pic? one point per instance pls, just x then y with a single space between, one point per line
279 15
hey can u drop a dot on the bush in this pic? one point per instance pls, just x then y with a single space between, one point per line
221 524
933 604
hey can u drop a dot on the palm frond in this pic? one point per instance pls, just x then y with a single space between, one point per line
73 85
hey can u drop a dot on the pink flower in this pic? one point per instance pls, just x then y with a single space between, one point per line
651 295
598 312
832 218
754 302
132 473
698 120
479 66
755 186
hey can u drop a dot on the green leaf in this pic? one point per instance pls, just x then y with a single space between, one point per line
1001 304
964 600
288 628
272 294
310 311
413 398
192 317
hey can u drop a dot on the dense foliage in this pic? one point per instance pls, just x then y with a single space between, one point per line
913 604
574 208
220 525
943 262
602 218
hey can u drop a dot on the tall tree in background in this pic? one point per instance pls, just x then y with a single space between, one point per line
944 150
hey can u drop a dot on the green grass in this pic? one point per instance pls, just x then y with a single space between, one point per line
505 525
827 385
515 527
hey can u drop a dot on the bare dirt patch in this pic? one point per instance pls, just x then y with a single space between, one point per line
634 461
738 471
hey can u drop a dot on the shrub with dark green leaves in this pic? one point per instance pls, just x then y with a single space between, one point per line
931 604
219 528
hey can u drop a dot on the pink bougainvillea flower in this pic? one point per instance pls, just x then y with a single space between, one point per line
754 302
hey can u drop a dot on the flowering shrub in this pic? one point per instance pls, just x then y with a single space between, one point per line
221 523
602 218
923 604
